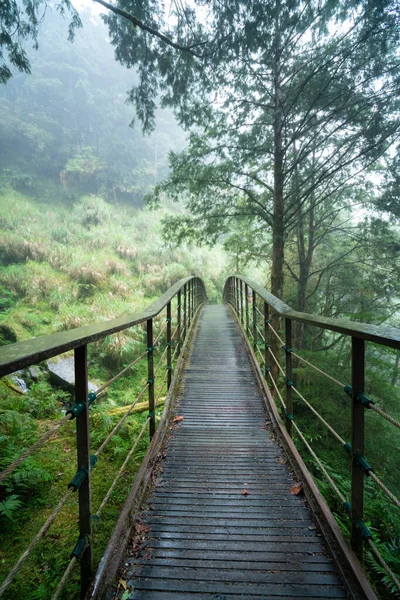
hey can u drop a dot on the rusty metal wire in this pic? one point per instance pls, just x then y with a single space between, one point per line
316 413
383 487
321 466
43 530
121 421
64 578
260 353
160 361
121 470
383 563
14 465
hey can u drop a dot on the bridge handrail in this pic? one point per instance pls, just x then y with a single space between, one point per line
243 295
188 295
28 352
380 334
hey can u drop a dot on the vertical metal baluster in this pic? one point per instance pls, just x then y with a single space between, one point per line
169 353
83 452
150 377
254 321
266 336
246 291
179 317
236 294
241 303
185 310
189 303
357 443
289 375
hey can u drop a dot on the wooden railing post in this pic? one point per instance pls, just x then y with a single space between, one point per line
150 377
179 318
246 291
357 444
289 375
254 321
266 337
83 452
169 352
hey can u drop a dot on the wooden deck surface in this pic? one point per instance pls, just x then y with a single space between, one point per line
205 538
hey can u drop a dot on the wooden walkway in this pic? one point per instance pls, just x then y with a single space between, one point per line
206 539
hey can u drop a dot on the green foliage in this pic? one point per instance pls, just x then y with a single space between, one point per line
9 506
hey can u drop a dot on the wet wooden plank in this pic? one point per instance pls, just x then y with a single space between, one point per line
205 538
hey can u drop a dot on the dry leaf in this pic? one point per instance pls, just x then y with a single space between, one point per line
296 488
123 583
244 493
177 419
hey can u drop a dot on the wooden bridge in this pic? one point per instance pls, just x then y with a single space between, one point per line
223 505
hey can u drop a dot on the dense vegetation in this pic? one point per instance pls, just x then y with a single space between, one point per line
290 162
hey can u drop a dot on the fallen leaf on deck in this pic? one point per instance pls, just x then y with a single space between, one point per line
296 488
123 583
177 419
244 493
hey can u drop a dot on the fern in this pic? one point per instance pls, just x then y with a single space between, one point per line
9 506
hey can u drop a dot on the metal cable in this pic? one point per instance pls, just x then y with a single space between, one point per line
160 361
118 425
259 311
384 415
277 391
277 362
64 578
114 483
383 487
321 466
8 470
105 385
34 542
316 413
383 563
161 391
160 333
276 334
342 385
260 333
261 354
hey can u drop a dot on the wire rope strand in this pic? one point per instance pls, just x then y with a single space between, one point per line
342 385
383 563
316 413
14 465
277 391
260 353
384 415
105 385
160 361
161 390
260 333
277 362
121 470
276 334
321 466
383 487
50 520
120 422
64 578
